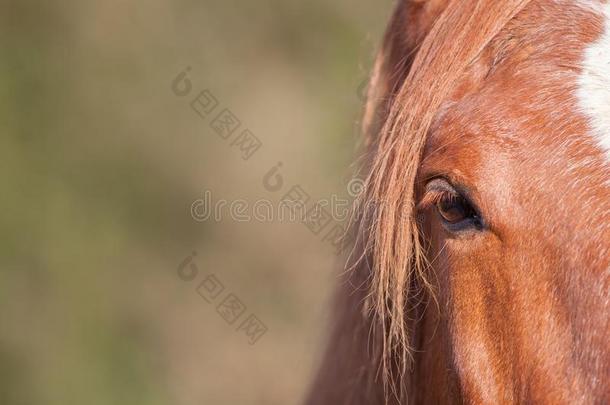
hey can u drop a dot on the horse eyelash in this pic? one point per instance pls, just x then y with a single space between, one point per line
434 196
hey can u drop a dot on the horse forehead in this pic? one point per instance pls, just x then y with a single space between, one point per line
568 79
594 84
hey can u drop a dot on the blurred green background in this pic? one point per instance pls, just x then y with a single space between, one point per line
101 162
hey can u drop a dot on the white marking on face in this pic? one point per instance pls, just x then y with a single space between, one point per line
594 84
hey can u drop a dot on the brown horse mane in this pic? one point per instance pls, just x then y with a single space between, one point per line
414 73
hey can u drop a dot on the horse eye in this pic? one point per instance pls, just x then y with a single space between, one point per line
453 209
457 213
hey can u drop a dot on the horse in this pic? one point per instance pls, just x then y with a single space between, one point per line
480 253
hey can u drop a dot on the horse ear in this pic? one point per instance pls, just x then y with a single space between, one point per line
410 23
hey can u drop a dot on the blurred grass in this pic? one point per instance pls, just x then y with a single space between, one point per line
101 163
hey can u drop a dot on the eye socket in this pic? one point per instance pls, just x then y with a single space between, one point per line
455 210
